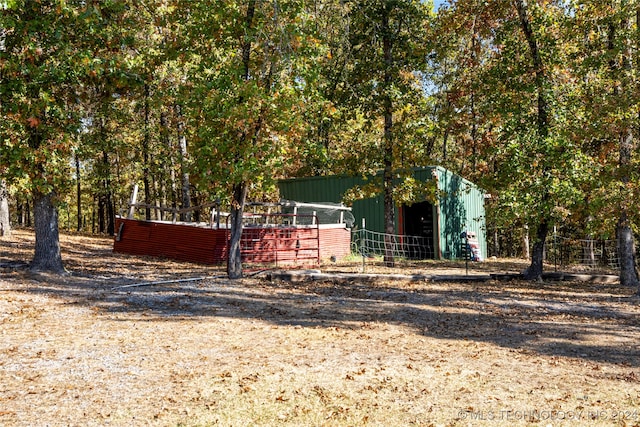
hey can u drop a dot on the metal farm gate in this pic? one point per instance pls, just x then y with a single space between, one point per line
281 239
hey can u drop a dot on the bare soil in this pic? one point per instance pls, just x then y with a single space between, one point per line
85 349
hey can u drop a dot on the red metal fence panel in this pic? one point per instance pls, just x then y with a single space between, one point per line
275 240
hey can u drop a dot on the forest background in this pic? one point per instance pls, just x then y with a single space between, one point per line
534 100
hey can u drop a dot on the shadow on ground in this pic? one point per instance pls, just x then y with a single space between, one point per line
595 322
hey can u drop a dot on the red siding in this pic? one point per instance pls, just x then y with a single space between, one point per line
280 244
180 242
209 246
335 242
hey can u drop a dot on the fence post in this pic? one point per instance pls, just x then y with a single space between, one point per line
555 248
466 252
364 228
132 203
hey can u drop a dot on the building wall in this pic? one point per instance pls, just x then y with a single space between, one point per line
460 206
332 189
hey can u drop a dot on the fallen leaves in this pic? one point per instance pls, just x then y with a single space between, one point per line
334 353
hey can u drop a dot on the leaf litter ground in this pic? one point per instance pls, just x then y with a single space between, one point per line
78 350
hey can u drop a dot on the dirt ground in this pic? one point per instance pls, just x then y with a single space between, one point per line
85 349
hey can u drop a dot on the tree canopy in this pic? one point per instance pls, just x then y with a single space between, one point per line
535 100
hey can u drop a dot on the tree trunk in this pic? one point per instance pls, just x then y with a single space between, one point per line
196 202
534 272
78 194
542 115
19 212
5 219
164 124
589 252
445 140
106 209
624 232
234 263
472 106
111 213
526 254
389 207
626 252
101 214
27 213
145 155
184 166
389 220
240 189
47 251
109 209
93 216
160 192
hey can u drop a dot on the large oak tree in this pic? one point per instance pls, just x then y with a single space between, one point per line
249 79
385 54
50 52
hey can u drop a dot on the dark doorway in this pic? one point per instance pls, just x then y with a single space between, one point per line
418 230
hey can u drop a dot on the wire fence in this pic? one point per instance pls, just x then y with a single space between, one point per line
371 243
593 253
560 251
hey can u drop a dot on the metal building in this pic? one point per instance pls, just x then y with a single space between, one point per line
460 207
